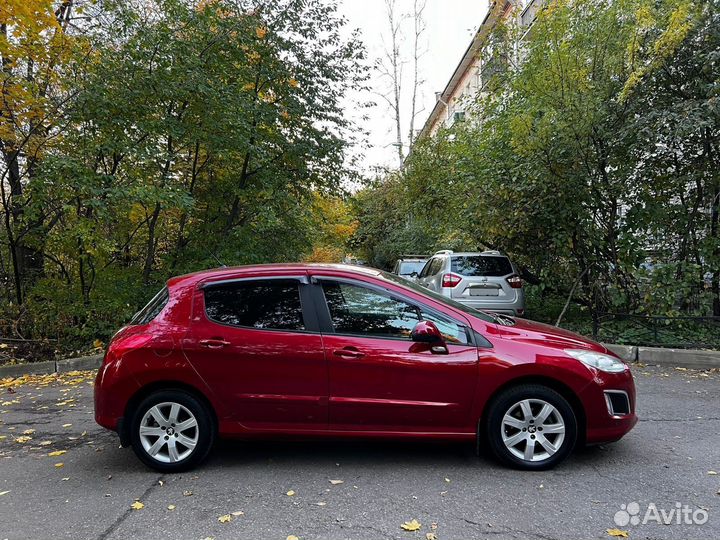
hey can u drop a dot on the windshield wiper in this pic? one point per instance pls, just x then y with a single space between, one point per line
503 319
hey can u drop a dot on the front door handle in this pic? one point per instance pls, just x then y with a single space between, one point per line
349 352
214 343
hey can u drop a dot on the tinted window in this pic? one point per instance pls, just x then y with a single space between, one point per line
270 304
407 268
481 265
358 310
153 308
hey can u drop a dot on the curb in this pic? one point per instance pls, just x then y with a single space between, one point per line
52 366
694 359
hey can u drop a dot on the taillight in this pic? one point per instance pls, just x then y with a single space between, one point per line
515 281
451 280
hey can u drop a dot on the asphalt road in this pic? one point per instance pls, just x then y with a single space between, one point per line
665 460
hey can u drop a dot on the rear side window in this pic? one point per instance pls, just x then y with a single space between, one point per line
481 265
153 308
435 267
407 268
272 304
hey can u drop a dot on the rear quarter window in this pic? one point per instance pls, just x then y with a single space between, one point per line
481 265
153 308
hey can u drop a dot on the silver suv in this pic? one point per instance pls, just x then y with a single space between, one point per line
486 280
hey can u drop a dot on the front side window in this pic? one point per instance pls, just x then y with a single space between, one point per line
362 311
272 304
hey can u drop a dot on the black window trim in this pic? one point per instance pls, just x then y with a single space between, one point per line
327 326
307 303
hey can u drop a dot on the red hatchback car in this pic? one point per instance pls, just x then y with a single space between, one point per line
340 351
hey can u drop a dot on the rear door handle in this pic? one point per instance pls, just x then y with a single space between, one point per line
214 343
348 353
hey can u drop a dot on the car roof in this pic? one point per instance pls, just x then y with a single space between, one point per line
214 273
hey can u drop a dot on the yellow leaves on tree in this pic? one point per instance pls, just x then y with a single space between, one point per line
261 32
34 48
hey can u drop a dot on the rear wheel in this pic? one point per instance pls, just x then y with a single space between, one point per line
172 431
531 427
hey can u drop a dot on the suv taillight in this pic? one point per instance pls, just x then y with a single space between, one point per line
451 280
515 281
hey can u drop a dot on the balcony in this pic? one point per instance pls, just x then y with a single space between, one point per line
491 68
528 15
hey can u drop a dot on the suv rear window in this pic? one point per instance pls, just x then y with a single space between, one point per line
272 304
153 308
481 265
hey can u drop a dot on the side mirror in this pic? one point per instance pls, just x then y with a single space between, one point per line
427 332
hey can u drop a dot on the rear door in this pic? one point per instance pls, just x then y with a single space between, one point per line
380 380
484 277
256 343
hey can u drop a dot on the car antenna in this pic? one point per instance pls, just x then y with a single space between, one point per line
222 264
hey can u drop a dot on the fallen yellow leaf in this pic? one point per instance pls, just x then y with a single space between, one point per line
45 443
57 453
617 532
336 482
23 439
58 465
4 492
413 525
430 536
137 505
225 519
28 432
712 472
238 513
67 425
171 507
290 493
292 537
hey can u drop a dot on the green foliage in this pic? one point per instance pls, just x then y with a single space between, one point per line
199 132
594 160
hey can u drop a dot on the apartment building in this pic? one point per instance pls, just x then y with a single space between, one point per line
479 64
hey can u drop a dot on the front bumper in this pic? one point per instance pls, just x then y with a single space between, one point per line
602 423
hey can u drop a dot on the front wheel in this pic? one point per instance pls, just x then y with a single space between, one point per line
531 427
172 431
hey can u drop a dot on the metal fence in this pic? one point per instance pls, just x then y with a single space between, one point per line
681 332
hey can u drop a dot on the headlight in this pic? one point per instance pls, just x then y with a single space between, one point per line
603 362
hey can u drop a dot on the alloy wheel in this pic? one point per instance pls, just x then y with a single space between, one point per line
169 432
532 430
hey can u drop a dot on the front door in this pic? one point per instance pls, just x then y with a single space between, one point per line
380 380
257 346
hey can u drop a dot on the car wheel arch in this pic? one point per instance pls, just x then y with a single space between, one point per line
561 388
158 386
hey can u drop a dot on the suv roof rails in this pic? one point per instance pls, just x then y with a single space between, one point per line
411 256
492 252
444 252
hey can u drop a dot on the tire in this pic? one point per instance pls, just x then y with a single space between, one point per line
526 440
178 431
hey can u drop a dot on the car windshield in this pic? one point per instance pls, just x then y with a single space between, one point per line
481 265
440 298
407 267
